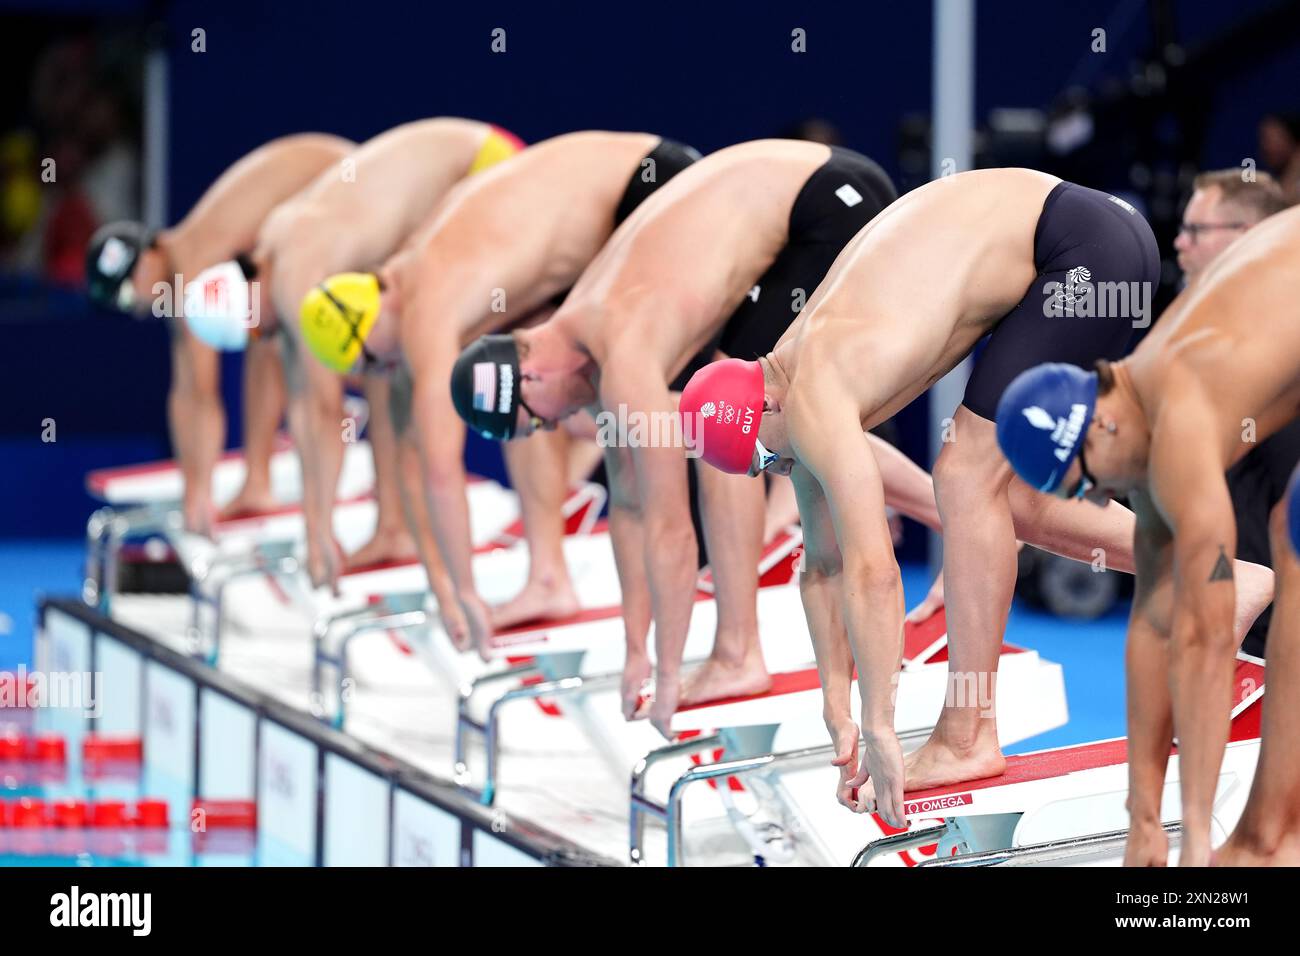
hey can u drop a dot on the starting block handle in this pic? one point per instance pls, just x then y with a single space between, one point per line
898 842
1055 852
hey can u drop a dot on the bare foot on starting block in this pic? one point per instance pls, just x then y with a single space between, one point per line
386 546
1241 850
539 601
718 680
1254 584
249 501
937 764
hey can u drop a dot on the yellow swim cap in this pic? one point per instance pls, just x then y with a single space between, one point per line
338 315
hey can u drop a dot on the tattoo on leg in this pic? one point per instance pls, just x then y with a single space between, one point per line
1222 567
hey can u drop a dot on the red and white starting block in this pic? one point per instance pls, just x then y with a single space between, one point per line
161 482
1067 806
580 658
394 598
144 499
778 734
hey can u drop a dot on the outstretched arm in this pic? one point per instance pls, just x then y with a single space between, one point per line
440 437
315 409
822 593
627 536
416 511
319 552
1188 486
322 457
669 551
827 438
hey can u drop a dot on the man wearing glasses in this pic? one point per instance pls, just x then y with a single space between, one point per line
1218 373
1223 206
1000 253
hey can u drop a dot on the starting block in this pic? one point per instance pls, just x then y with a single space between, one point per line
773 733
394 596
142 499
583 654
159 482
1067 806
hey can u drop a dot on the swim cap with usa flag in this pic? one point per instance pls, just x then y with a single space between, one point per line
485 386
721 408
1043 419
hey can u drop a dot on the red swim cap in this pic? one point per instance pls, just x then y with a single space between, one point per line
721 407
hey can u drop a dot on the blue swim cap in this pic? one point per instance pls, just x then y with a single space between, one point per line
1043 419
1293 511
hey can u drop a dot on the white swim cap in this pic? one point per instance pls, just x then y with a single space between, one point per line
218 306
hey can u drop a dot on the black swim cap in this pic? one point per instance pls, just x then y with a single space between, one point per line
485 386
111 257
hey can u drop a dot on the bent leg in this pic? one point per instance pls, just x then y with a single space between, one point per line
979 571
264 403
197 420
1084 532
538 472
731 510
392 540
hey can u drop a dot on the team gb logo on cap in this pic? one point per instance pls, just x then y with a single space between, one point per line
1065 431
1040 418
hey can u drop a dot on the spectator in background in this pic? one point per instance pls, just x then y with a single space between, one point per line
20 191
111 177
1279 148
1222 208
80 123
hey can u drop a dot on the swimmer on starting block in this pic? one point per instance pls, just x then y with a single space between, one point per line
351 217
991 252
720 260
1218 373
502 248
133 269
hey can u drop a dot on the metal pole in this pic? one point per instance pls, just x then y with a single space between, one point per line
952 122
156 90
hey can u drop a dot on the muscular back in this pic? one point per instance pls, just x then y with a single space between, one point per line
1230 343
919 285
358 214
527 227
672 274
226 220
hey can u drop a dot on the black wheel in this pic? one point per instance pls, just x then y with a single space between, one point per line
1074 589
